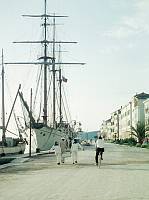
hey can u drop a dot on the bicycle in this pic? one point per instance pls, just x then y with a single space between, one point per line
99 160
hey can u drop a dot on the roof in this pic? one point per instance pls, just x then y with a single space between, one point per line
142 96
108 120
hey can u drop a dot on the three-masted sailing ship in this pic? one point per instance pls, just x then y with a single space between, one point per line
45 131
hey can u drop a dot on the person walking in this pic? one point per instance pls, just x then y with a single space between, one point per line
63 146
57 149
99 148
74 150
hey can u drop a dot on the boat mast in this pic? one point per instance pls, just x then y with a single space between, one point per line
3 104
54 73
60 87
45 66
60 95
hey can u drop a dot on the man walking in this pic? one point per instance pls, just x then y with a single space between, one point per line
74 150
63 149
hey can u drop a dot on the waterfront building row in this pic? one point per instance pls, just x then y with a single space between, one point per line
121 121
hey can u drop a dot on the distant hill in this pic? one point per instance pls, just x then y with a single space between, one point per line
88 135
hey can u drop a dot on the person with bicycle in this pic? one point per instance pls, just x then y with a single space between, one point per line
99 148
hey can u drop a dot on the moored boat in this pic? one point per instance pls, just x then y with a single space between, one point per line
9 145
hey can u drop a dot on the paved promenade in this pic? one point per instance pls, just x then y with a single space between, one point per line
124 175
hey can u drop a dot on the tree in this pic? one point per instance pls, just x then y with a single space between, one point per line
139 132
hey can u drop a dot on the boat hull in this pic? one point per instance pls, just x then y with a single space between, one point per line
47 136
19 149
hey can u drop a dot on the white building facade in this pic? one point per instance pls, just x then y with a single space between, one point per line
106 129
146 112
122 120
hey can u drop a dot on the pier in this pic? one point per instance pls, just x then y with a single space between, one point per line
123 175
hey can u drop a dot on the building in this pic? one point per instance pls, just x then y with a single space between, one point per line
125 121
87 136
146 113
106 131
128 116
115 124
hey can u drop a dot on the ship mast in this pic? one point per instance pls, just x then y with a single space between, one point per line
60 88
60 95
45 60
3 104
54 73
45 66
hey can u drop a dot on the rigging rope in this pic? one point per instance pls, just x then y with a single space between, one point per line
49 97
12 132
65 108
40 105
36 91
8 89
66 103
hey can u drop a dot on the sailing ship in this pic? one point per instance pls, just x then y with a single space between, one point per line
9 145
47 130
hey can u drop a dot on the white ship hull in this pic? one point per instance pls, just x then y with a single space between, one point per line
47 136
19 149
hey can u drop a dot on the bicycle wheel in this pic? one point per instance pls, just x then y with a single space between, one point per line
99 161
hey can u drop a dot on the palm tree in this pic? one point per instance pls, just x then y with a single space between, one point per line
139 132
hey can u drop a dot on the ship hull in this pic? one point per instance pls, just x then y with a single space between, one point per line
19 149
47 136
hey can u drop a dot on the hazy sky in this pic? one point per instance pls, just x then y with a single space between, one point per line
113 41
